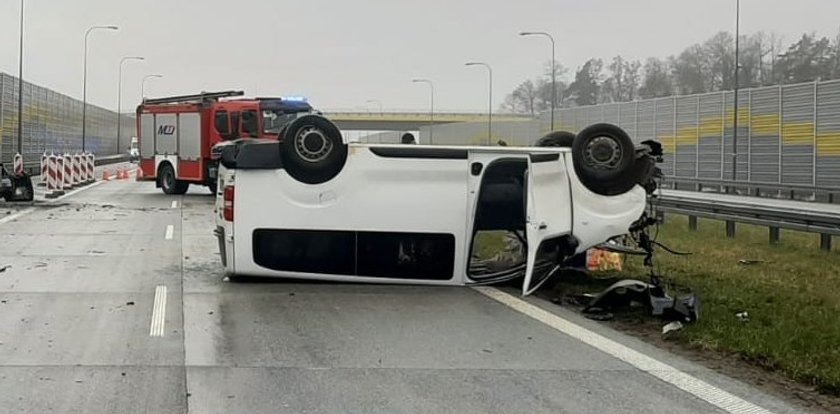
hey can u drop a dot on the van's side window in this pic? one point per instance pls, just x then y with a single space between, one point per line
429 256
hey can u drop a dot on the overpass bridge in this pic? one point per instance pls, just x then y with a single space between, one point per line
408 121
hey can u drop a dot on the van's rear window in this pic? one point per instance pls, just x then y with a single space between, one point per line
429 256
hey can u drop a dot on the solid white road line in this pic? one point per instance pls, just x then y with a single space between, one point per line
158 312
700 389
74 192
174 203
170 230
17 215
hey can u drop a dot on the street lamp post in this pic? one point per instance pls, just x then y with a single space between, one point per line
20 86
553 73
143 85
378 103
737 69
84 80
119 97
431 105
490 105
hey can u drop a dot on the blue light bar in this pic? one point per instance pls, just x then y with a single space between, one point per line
294 98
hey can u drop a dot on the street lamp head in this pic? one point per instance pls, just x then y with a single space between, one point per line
525 33
112 27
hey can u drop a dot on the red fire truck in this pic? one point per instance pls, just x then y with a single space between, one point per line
176 134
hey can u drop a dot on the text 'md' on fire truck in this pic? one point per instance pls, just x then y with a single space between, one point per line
177 134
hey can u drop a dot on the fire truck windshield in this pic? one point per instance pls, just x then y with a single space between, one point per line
277 112
274 119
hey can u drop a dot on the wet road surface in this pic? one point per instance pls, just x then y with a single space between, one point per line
114 302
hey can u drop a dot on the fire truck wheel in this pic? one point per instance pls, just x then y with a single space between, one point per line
313 150
604 157
169 183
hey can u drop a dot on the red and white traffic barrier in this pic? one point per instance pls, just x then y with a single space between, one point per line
44 169
55 179
75 172
68 171
18 164
91 164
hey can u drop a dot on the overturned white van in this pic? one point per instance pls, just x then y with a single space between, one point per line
309 206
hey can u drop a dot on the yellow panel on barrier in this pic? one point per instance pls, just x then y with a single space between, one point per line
799 133
765 124
828 143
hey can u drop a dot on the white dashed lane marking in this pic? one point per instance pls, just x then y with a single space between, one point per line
158 312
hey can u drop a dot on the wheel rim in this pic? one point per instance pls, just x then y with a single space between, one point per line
312 145
603 152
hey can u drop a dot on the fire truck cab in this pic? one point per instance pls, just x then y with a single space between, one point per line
176 134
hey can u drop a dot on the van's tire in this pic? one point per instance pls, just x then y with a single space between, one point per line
604 158
312 150
408 138
169 183
557 139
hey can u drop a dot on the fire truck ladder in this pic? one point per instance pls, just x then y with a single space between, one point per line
201 97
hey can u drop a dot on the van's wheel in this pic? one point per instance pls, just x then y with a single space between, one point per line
313 150
169 183
557 139
604 158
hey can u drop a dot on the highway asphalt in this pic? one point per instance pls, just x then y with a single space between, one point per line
114 302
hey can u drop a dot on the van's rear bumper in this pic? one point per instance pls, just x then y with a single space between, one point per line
220 235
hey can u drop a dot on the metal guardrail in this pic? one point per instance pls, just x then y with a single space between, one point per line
756 189
773 217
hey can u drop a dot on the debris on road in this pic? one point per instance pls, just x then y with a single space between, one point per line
3 268
671 327
626 292
130 303
597 314
749 261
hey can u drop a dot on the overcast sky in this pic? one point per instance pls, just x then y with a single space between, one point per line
342 53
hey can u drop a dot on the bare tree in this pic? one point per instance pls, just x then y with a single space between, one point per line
806 60
692 71
523 99
657 80
622 83
720 54
587 85
835 57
